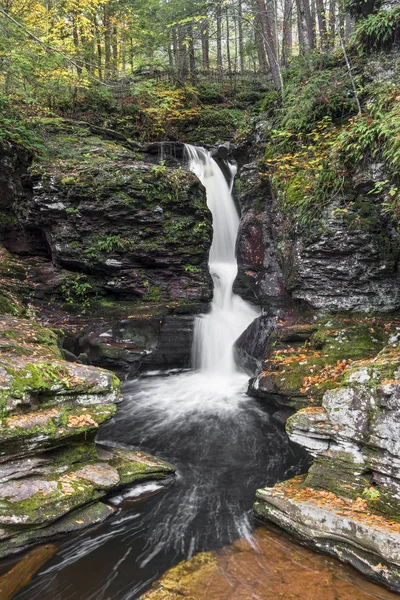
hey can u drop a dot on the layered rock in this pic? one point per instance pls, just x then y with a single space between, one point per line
348 503
347 262
305 358
260 276
52 475
97 228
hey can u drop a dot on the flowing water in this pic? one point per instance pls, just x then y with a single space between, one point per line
223 443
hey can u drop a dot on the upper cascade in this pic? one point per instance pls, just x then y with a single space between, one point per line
216 332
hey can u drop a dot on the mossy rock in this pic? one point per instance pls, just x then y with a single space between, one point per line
305 360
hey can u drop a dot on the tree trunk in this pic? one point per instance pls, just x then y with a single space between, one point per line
205 45
269 42
331 24
192 58
262 57
305 26
76 44
287 34
219 36
107 41
348 27
182 61
240 32
115 48
98 47
321 16
228 48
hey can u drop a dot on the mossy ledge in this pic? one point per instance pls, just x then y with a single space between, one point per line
53 475
347 504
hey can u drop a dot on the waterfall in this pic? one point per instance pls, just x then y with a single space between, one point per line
216 332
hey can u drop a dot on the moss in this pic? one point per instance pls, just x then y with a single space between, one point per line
37 377
43 507
55 431
304 361
133 466
339 474
154 294
8 305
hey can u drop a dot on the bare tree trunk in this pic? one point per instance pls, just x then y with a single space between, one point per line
321 16
182 61
262 57
348 27
170 53
175 50
240 31
205 46
76 43
98 46
192 58
287 34
331 23
107 41
115 48
310 27
219 36
228 47
269 41
305 26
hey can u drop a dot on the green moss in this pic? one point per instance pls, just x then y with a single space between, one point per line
339 474
303 362
154 294
8 306
53 430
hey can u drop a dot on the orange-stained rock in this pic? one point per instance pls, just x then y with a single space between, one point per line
274 568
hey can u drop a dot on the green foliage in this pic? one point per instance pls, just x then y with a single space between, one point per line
15 131
315 88
108 244
210 93
191 269
77 290
378 31
154 294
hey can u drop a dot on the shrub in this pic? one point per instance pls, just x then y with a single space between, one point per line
378 31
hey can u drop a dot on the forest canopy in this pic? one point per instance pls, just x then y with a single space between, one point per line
52 50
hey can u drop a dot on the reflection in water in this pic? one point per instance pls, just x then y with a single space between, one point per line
224 445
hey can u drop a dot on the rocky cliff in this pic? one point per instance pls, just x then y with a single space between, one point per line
104 229
347 504
319 249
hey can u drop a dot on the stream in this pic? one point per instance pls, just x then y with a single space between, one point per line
224 444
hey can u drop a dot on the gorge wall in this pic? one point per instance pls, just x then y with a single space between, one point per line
327 343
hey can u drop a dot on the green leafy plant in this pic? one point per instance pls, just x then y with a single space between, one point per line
77 290
379 31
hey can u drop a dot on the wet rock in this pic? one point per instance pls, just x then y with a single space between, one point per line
303 360
51 413
348 502
131 345
249 349
259 276
327 524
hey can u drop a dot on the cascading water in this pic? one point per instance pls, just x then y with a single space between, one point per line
223 443
216 332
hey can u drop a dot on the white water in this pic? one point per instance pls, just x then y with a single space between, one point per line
216 332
